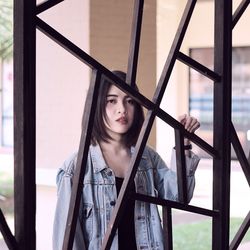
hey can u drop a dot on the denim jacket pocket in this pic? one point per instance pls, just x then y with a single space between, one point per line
87 217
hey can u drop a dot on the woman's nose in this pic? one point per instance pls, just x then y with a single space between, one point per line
121 108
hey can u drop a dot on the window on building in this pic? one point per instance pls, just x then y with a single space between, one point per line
7 104
201 94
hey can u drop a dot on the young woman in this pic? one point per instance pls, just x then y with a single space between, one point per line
116 128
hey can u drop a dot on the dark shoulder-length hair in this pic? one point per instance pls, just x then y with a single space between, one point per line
99 132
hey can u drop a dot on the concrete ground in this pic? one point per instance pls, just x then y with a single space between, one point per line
240 203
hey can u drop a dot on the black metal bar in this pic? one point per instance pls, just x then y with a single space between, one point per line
180 167
87 124
7 235
239 12
198 67
167 228
240 153
163 81
222 120
241 233
128 181
176 205
25 123
135 42
45 5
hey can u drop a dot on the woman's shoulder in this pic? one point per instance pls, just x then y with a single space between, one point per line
149 151
69 164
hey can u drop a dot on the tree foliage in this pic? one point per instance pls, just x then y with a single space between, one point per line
6 29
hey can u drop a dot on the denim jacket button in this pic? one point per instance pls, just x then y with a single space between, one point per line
112 203
109 172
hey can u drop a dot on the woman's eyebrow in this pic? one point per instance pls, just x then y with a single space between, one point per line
112 95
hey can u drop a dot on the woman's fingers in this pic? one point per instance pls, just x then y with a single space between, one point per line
191 124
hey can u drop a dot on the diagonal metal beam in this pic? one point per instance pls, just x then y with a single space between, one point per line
239 12
87 124
174 50
134 43
128 181
241 233
7 235
176 205
245 165
45 5
198 67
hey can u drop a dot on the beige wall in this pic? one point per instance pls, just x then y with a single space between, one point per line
62 83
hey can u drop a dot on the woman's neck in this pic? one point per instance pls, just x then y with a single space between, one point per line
117 156
112 146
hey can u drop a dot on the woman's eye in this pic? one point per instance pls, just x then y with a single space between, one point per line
131 101
111 101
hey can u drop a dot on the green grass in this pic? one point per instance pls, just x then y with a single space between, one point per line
6 184
6 192
197 236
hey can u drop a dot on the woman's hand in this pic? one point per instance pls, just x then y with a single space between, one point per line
190 123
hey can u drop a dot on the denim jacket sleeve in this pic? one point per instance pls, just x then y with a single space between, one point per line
165 179
64 184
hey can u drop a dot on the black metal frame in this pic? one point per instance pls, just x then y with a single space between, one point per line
25 24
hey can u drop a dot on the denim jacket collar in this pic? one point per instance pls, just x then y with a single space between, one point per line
99 163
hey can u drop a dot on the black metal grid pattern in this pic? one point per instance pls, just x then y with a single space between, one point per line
26 22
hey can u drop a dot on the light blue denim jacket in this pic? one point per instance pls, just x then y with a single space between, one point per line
153 178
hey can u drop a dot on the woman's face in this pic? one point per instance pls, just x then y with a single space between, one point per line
119 111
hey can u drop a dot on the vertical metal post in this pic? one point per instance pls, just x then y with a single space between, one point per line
167 228
222 120
24 123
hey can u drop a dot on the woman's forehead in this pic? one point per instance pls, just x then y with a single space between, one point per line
113 90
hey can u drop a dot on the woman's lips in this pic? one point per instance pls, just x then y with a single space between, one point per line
122 120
